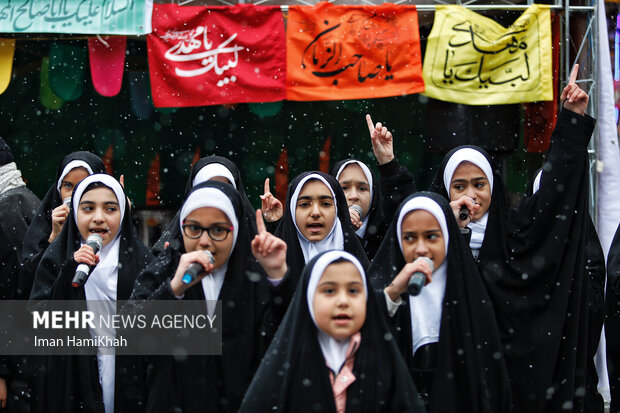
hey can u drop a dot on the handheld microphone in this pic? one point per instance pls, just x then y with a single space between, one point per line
463 213
67 201
196 268
358 209
83 270
418 279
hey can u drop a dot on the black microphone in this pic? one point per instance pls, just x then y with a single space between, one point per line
418 278
463 213
358 209
196 268
83 270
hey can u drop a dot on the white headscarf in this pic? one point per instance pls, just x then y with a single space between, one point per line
362 230
210 171
71 166
426 308
334 351
536 184
101 286
212 197
103 280
479 227
333 241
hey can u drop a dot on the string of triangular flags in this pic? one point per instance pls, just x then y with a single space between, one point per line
209 55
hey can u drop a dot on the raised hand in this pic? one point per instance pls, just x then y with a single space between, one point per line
399 284
187 259
472 208
574 98
382 142
356 220
59 215
269 250
86 255
271 206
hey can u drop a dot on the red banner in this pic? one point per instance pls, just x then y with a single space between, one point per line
352 52
215 55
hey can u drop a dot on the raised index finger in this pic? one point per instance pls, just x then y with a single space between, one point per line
260 224
266 186
573 74
371 126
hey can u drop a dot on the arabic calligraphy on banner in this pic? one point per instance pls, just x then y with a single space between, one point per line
216 55
472 59
352 52
121 17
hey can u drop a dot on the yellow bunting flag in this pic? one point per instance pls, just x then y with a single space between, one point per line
473 60
7 49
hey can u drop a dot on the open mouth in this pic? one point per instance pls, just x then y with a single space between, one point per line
341 318
315 227
100 231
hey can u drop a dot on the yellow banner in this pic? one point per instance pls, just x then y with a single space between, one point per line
473 60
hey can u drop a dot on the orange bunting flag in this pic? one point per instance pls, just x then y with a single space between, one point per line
153 180
196 156
282 175
108 160
352 52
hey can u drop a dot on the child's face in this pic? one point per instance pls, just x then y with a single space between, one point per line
99 213
74 177
422 237
339 301
355 186
468 179
220 227
315 211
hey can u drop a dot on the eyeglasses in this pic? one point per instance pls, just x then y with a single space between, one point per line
216 232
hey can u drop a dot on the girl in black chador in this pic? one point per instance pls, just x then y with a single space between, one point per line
448 333
212 219
361 188
333 351
316 219
52 213
215 168
532 259
105 383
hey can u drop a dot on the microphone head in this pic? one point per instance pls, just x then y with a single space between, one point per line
211 259
95 239
428 261
67 201
358 209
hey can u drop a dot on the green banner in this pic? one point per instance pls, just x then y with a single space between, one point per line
122 17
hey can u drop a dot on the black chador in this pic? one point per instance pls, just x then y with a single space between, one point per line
251 311
448 334
612 322
86 383
205 169
341 237
36 239
295 374
532 260
595 273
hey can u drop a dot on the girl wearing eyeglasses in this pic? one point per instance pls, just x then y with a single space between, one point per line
211 219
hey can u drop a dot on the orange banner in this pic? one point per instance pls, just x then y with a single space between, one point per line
352 52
